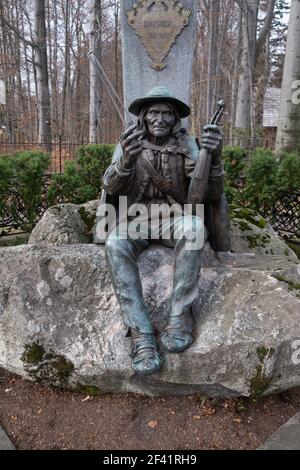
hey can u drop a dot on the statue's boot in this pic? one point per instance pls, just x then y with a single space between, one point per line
178 335
145 356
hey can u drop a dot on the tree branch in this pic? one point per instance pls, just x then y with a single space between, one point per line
16 31
266 27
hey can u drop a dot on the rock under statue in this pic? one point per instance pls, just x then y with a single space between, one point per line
155 163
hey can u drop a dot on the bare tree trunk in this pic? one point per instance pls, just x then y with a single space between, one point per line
54 72
8 75
116 17
95 79
214 10
244 109
263 64
235 79
41 62
66 84
78 80
263 74
31 44
18 58
28 81
252 46
36 87
288 133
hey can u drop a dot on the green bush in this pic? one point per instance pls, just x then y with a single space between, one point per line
233 195
21 186
6 174
267 179
235 159
288 174
261 189
29 171
81 180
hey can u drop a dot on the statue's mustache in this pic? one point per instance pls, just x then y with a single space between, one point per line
160 126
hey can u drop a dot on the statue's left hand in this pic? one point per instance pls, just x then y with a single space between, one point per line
212 140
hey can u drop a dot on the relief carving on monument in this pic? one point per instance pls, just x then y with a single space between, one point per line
158 23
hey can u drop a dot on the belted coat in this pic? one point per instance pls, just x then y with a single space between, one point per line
178 160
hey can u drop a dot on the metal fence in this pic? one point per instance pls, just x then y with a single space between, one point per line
285 216
61 152
14 217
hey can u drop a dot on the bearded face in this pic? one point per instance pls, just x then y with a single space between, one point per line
160 119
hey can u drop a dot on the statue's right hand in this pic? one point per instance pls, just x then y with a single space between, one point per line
132 146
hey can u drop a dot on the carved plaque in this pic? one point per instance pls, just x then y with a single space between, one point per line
158 23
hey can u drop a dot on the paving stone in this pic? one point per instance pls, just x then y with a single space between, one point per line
286 438
5 442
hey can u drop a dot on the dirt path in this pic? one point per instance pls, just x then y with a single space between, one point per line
39 418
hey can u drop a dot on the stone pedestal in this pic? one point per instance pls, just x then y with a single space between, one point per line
60 322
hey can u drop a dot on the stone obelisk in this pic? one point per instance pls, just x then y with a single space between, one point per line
158 40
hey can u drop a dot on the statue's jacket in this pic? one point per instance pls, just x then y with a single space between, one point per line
177 163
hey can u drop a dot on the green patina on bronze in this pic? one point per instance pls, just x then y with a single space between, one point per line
158 160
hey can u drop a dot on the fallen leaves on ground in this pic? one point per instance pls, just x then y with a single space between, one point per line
86 399
153 424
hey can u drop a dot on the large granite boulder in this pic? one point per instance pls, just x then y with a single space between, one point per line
60 322
66 224
252 233
69 224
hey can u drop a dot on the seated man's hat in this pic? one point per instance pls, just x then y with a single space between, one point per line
162 94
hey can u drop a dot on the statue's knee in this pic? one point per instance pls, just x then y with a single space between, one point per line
194 232
113 246
193 225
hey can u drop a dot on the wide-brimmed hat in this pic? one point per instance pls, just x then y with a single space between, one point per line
162 94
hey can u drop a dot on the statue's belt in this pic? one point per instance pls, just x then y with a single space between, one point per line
161 183
172 149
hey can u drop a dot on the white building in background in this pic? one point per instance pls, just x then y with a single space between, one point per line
271 115
2 93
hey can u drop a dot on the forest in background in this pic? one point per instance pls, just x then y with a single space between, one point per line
53 91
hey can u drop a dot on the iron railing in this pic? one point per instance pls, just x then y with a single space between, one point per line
61 152
285 216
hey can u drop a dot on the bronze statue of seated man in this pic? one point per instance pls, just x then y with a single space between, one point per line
153 164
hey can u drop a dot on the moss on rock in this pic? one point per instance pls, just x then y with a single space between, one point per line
295 246
292 285
249 215
258 240
243 225
261 381
264 353
87 218
33 353
91 390
63 367
45 366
